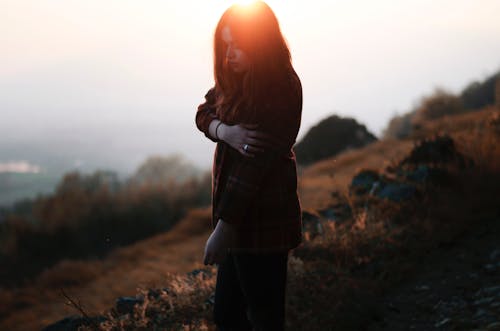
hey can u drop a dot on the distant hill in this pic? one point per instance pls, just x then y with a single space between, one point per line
476 96
17 186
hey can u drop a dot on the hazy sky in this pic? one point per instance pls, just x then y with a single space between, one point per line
126 76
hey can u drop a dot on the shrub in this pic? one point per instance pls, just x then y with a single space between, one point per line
88 216
436 105
331 136
159 168
399 126
480 94
497 93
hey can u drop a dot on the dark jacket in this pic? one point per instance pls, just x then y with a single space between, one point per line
259 195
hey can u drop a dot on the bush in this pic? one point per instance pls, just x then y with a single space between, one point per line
331 136
474 97
497 93
480 94
159 168
399 126
88 216
440 103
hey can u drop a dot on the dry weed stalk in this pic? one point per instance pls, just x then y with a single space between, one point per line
79 307
360 220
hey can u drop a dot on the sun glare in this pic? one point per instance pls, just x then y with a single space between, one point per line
246 2
277 6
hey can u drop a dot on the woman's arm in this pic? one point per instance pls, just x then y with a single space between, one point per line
236 136
206 118
215 130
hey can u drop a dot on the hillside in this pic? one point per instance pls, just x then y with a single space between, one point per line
429 261
98 283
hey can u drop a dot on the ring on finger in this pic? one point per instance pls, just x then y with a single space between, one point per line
245 147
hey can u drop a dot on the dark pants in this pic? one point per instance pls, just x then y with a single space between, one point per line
250 292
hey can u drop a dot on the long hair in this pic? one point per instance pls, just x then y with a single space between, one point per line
257 32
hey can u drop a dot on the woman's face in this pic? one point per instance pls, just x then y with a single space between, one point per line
236 58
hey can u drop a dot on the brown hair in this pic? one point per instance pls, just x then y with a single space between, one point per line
257 32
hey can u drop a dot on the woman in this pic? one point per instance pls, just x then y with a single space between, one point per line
253 113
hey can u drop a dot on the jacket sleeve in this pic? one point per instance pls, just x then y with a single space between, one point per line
246 175
206 114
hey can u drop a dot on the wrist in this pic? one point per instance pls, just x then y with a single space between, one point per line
221 131
224 226
217 130
225 232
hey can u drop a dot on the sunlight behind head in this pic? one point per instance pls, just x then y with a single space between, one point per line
245 2
278 6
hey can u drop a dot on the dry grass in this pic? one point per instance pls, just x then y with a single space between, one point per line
335 174
334 279
97 283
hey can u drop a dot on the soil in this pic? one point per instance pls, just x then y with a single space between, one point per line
457 287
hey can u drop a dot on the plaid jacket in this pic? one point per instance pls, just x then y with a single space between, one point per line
259 195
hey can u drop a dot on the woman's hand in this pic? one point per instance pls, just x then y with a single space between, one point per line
240 134
220 240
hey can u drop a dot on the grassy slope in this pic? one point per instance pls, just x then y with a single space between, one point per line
97 284
345 270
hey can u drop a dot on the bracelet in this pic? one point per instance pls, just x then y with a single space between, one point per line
216 136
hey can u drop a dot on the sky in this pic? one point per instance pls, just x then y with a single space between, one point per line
123 78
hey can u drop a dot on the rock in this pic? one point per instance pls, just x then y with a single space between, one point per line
395 191
425 174
336 212
328 213
67 323
495 254
422 288
492 289
125 305
195 272
437 150
492 266
483 301
204 272
473 275
363 181
211 299
369 181
495 326
156 293
420 175
480 312
73 322
307 217
442 322
311 224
